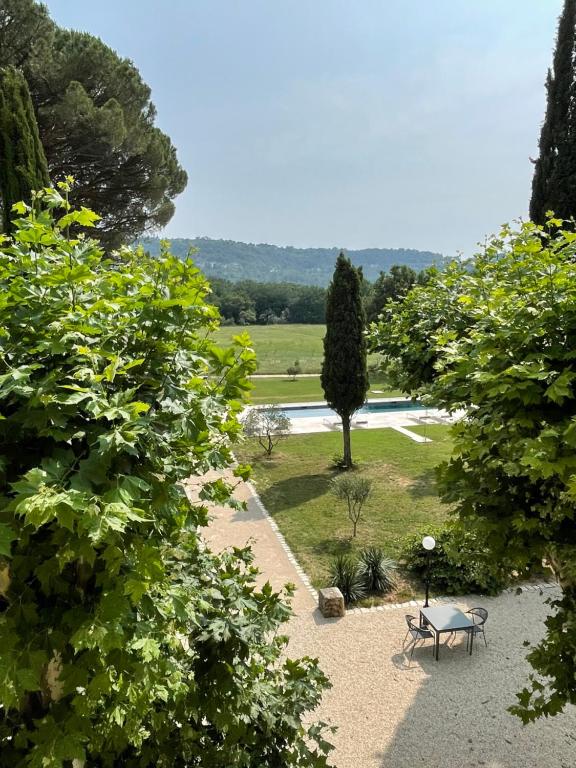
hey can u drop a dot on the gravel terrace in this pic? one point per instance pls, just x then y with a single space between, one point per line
450 714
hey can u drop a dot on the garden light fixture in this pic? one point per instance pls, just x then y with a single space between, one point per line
428 542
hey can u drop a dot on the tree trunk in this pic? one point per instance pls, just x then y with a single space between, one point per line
346 436
561 566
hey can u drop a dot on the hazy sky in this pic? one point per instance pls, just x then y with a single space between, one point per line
352 123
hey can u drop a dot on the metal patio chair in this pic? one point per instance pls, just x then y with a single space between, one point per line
478 616
418 634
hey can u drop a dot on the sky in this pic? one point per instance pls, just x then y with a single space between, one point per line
348 123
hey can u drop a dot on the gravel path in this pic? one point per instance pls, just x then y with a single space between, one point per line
450 714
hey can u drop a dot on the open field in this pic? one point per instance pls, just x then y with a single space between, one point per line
308 388
294 487
278 346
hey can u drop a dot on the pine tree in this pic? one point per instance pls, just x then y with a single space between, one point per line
344 377
554 181
23 166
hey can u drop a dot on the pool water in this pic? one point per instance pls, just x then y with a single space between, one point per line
319 411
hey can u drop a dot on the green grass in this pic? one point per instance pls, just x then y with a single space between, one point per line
294 487
278 346
302 390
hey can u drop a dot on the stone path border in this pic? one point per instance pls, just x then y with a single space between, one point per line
541 586
283 543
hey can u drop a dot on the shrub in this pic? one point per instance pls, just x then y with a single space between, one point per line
459 563
337 462
124 640
377 571
346 577
294 370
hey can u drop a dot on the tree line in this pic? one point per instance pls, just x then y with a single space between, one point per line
266 263
252 303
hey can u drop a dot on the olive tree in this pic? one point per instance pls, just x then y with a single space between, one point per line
354 490
268 425
294 370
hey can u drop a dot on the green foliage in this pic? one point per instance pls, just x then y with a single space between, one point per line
344 376
294 370
24 27
248 302
262 262
346 576
555 169
459 563
377 571
555 658
354 490
268 424
495 339
372 572
404 338
23 167
96 122
392 285
125 641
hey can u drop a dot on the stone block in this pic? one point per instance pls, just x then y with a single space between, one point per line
331 602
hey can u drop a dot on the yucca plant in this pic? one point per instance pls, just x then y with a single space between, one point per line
346 577
377 571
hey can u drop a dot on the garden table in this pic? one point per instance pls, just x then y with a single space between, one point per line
446 618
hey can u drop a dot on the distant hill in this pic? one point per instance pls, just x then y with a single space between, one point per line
271 263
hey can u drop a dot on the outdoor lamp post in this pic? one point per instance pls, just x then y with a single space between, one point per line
428 542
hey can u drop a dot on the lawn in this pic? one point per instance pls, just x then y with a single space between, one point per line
278 346
294 487
304 389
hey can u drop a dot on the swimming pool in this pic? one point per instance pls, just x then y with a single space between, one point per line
320 411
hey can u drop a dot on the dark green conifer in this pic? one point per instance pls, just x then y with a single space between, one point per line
23 166
554 181
344 377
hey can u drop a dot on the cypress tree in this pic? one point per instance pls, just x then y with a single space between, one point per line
344 377
23 166
554 181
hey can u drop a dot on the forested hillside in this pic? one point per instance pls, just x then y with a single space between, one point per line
271 263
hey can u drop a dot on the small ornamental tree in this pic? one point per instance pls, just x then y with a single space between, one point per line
344 377
495 338
23 164
354 491
294 370
124 640
268 425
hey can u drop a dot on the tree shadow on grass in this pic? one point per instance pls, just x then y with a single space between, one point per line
294 491
424 485
333 547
